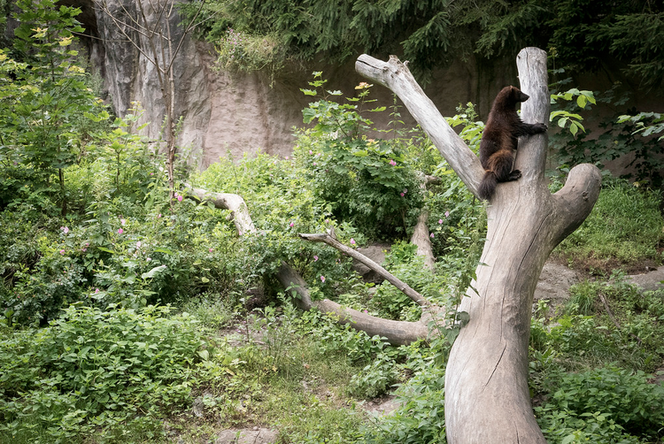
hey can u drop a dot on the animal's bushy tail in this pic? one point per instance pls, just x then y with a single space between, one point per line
488 185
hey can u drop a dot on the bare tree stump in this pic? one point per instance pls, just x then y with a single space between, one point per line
486 383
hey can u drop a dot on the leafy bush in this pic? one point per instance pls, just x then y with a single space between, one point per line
402 261
620 137
375 379
365 181
420 417
92 369
46 106
604 405
620 324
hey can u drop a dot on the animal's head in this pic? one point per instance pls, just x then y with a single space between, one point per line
511 96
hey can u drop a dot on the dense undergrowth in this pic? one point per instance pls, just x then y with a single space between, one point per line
127 317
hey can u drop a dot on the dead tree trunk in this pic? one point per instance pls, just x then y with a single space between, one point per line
486 385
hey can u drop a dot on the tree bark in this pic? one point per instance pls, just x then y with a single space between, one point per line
486 383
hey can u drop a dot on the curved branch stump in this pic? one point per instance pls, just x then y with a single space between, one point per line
486 382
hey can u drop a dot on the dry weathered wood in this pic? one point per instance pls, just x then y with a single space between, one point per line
486 386
421 238
402 286
226 201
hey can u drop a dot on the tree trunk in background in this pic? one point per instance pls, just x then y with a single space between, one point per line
147 27
486 384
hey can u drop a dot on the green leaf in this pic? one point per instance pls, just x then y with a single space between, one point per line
153 272
581 101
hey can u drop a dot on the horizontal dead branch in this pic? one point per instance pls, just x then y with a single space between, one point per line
394 332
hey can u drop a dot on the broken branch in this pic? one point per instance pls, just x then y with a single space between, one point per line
402 286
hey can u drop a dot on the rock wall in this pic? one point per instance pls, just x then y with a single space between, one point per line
234 112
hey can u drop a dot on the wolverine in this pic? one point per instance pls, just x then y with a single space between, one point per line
499 140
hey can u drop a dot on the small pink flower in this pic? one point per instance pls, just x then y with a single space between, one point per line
211 249
440 221
315 258
311 152
120 231
401 194
148 259
96 290
84 250
315 164
138 244
122 222
64 230
447 214
322 278
431 235
352 241
239 233
291 224
62 251
286 157
366 311
159 216
392 162
179 198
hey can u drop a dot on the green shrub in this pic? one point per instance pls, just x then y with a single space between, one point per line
624 228
621 324
375 379
368 182
420 417
605 405
95 370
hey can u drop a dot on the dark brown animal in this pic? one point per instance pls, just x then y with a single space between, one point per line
499 140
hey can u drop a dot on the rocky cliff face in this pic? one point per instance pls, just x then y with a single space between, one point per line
230 112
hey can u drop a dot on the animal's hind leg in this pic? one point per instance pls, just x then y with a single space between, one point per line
514 175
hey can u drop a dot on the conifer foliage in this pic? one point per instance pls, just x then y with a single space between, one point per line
579 34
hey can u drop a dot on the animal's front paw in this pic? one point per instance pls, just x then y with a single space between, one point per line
540 127
514 175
